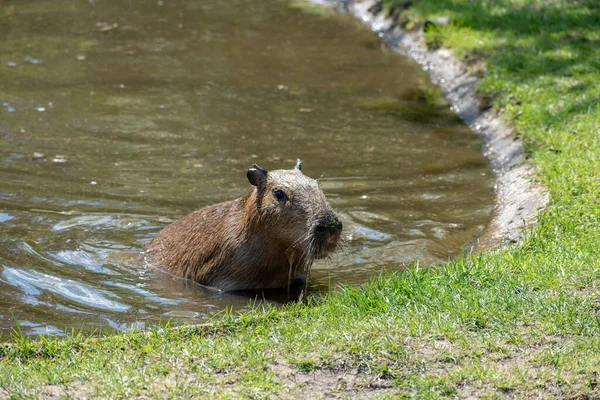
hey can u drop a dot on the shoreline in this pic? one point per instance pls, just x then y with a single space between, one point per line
519 196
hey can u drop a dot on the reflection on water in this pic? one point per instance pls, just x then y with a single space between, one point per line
119 117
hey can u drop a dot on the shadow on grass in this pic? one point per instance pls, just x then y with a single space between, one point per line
543 43
534 18
544 37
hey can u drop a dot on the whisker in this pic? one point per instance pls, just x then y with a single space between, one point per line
291 263
305 256
302 260
297 242
309 266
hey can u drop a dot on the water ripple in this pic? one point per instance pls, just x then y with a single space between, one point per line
147 294
33 282
92 262
5 217
102 222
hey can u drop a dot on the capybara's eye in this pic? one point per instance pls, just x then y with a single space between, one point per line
279 195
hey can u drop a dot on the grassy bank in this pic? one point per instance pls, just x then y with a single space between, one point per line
520 322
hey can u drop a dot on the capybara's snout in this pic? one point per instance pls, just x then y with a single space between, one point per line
328 225
327 231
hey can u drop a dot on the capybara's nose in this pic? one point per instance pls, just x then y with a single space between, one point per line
321 229
330 226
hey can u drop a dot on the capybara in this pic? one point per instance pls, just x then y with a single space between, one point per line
265 239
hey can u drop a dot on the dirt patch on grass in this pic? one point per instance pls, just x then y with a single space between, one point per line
279 380
53 392
519 197
332 384
74 390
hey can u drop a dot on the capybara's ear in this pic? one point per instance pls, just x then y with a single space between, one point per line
257 175
298 164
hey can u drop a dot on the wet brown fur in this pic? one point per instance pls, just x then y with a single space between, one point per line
253 242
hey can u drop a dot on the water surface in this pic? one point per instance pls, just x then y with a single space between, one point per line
117 117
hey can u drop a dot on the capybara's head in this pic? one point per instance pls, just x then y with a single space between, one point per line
294 210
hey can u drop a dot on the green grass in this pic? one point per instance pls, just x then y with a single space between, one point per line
521 322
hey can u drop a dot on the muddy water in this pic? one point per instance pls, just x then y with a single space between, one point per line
117 117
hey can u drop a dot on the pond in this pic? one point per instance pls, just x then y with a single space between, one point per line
117 118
